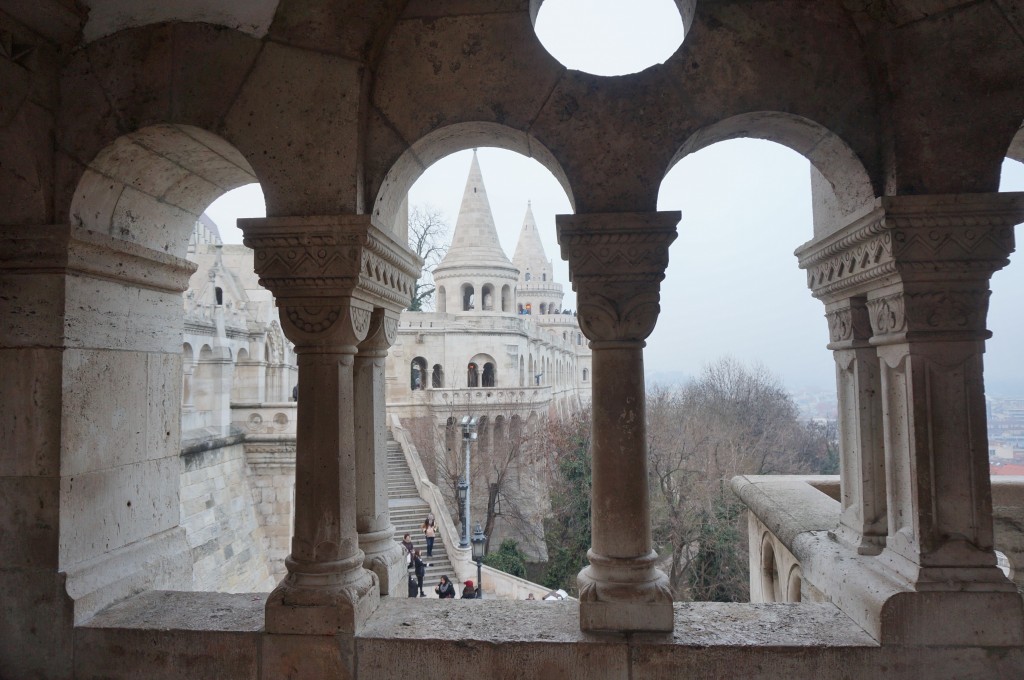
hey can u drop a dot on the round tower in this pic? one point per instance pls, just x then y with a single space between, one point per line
475 275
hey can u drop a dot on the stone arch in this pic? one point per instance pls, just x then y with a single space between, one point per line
841 184
487 297
769 571
150 186
522 372
437 376
442 300
187 369
435 145
418 374
1016 149
506 298
794 583
488 370
468 295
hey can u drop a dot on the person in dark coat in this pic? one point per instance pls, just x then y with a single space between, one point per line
468 591
445 590
421 570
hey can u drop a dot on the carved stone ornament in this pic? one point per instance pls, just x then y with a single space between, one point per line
318 257
619 312
616 264
848 323
936 311
964 237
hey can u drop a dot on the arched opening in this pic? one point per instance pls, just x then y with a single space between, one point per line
437 377
527 279
774 181
506 298
418 374
543 308
487 297
769 571
468 297
146 193
586 375
607 38
442 300
472 375
486 367
522 373
794 584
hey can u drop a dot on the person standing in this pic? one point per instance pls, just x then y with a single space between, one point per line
429 532
407 548
469 592
421 570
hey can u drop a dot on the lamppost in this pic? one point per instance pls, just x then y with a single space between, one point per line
479 543
468 435
463 492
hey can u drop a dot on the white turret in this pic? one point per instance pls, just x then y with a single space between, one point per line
475 275
537 293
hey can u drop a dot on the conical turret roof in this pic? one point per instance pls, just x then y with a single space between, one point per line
530 255
475 243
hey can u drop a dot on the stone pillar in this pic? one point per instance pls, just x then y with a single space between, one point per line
861 451
328 274
920 266
383 555
616 264
929 327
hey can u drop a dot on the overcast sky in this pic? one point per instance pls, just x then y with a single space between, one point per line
733 287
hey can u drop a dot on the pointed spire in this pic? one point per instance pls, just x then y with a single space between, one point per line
530 256
475 241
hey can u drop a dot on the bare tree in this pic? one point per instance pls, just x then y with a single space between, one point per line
731 420
428 237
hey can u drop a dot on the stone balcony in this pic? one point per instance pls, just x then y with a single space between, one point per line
497 398
795 557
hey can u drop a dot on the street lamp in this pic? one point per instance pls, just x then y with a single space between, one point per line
468 435
479 547
463 492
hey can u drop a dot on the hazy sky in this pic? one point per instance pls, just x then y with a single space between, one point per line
733 286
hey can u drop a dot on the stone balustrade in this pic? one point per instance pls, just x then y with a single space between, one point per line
794 555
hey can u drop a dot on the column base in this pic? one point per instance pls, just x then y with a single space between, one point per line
384 558
325 603
625 595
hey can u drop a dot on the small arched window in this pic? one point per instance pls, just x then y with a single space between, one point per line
488 377
218 292
437 376
472 376
586 375
527 276
468 297
418 374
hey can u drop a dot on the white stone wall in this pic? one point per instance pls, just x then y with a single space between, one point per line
222 526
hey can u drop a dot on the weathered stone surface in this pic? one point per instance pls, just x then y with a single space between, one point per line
156 634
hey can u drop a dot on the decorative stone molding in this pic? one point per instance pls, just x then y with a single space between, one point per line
57 248
317 257
963 237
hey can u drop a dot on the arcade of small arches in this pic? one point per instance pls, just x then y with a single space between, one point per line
119 143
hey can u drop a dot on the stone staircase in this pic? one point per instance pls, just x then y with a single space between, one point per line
408 511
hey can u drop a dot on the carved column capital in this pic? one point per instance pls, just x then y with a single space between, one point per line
328 274
616 264
849 325
382 333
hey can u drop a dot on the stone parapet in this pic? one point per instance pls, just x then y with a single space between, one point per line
795 557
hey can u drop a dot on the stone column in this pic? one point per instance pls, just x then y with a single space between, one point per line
929 327
616 264
328 275
862 523
383 555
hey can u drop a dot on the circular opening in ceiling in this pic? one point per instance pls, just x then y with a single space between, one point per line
611 37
